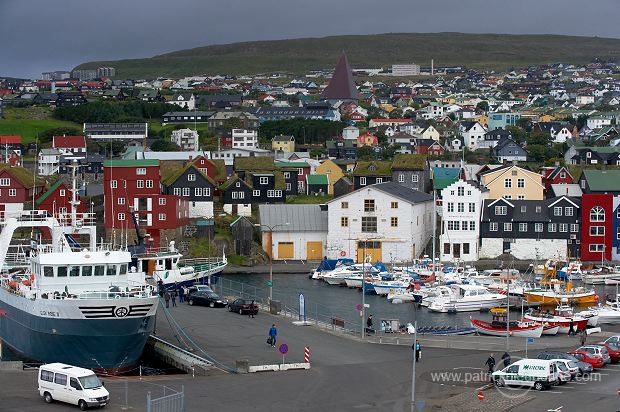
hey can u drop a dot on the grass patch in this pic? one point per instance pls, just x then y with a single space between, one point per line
30 129
308 200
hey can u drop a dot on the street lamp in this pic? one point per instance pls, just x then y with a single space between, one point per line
364 286
271 229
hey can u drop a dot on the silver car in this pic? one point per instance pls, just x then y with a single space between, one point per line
597 351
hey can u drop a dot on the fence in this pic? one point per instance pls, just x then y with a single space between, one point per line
317 314
173 402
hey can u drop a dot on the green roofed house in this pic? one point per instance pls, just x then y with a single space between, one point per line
412 171
444 176
371 172
600 182
317 184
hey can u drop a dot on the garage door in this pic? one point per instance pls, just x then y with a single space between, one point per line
285 250
314 250
372 249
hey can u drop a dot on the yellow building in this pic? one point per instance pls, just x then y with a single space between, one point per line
283 144
482 119
513 182
333 173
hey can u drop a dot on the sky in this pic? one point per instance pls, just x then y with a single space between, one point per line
48 35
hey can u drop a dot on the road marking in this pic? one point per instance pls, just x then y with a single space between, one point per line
466 367
553 392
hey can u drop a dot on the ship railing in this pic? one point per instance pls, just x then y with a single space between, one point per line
136 294
81 219
25 216
158 252
202 264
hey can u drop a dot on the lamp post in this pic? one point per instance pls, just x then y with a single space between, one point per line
364 287
271 229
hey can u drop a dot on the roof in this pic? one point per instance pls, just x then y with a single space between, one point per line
561 189
131 163
409 162
171 175
402 192
68 141
10 139
525 210
373 168
341 85
115 127
232 179
254 163
445 176
300 218
603 180
283 138
48 193
23 176
317 179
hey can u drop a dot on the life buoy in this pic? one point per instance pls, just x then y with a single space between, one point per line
343 253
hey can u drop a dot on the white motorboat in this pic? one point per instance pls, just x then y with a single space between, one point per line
489 277
598 277
612 281
563 317
431 293
466 298
384 287
609 314
338 275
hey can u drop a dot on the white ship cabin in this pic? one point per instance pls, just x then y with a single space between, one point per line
82 274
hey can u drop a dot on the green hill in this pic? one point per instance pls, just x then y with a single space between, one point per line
367 51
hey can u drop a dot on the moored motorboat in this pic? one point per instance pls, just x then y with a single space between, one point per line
550 329
464 298
500 326
563 317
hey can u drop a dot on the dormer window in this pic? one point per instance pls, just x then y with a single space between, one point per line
589 155
372 168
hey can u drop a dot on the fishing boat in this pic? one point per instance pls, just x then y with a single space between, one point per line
444 330
608 313
562 316
570 271
464 298
553 290
500 326
612 281
550 329
599 276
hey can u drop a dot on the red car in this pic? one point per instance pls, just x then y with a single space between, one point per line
586 357
614 351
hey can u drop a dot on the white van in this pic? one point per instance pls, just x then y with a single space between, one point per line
536 373
66 383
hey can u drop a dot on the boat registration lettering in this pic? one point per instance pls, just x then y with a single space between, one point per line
50 313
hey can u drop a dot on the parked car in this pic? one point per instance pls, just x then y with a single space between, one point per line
596 361
537 373
203 298
572 367
596 350
613 339
564 374
612 349
202 288
242 306
584 367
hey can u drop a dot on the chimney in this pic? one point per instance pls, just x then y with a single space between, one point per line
557 163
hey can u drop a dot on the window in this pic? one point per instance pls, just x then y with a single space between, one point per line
62 193
568 211
522 227
362 181
12 192
47 376
238 184
538 227
415 178
141 171
191 177
74 384
493 226
186 191
121 200
521 183
597 230
344 205
240 195
401 178
394 205
288 187
523 209
597 247
379 180
87 270
60 379
74 271
450 207
461 191
162 201
278 193
507 227
563 227
446 248
271 193
507 183
62 271
393 222
501 210
597 214
177 191
507 197
574 228
461 207
552 227
48 271
121 216
369 205
472 207
520 197
5 181
110 270
149 184
256 193
99 270
557 211
344 221
466 248
139 184
369 224
198 191
162 216
472 225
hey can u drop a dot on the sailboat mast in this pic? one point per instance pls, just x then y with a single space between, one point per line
434 228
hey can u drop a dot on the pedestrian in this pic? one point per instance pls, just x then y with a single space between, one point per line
490 363
173 295
506 359
273 332
252 308
584 337
571 330
418 350
182 294
369 324
167 298
160 288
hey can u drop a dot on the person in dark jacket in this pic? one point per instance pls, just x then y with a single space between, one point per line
490 363
506 359
418 350
583 337
181 294
160 288
571 329
273 332
167 298
369 328
173 296
252 309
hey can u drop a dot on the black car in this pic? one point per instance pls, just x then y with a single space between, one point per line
242 306
204 298
584 367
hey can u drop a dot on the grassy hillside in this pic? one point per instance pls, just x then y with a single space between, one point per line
298 55
28 122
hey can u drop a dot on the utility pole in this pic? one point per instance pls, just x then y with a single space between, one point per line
415 340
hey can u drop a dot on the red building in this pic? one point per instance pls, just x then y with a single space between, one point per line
73 144
429 147
555 175
215 169
596 226
18 185
57 200
133 186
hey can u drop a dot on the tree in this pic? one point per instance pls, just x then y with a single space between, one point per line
483 106
47 135
517 133
537 152
366 153
538 138
162 145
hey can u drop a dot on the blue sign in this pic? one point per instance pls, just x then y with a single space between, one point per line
302 307
530 340
283 349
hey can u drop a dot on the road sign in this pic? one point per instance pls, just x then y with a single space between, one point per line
366 305
358 307
283 349
306 354
480 396
530 340
269 283
302 307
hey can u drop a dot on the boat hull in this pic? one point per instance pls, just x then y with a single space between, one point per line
533 331
552 299
465 306
563 325
550 330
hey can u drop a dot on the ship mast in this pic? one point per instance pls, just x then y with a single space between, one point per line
74 197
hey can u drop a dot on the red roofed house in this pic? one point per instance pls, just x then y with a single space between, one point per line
70 145
555 175
57 200
373 123
367 139
18 186
8 143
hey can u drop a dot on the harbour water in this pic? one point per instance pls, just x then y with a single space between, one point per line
333 301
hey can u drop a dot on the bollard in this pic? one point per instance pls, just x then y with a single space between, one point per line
140 372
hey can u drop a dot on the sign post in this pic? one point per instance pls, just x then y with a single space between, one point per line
528 340
283 350
302 307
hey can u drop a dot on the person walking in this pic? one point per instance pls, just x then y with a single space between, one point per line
490 363
583 337
369 328
182 294
167 298
173 295
273 332
506 359
160 288
252 308
418 350
571 330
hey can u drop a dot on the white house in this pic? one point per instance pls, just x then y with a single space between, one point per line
583 100
386 222
473 134
561 135
298 232
242 138
350 133
186 139
460 210
48 162
184 100
595 122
